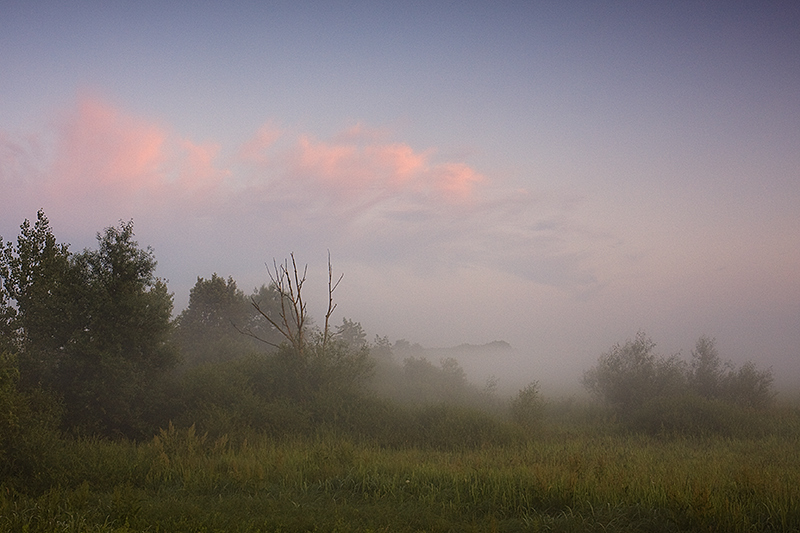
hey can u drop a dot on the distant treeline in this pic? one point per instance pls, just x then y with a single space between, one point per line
88 347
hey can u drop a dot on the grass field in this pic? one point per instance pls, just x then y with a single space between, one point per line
559 480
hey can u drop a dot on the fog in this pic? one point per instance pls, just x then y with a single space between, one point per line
557 178
547 336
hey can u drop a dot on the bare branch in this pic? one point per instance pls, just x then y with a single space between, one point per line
292 317
331 306
250 333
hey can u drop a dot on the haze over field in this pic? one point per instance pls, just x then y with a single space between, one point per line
554 175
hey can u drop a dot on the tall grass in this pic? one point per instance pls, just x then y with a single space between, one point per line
184 481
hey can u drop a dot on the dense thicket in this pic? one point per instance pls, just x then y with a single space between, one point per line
88 347
665 394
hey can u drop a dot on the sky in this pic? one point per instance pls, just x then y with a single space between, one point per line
557 175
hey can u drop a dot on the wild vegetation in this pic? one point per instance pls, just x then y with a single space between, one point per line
242 414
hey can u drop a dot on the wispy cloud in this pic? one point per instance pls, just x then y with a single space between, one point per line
359 192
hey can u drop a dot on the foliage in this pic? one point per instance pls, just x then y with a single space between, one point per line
748 387
627 375
527 408
92 328
47 290
352 334
706 369
415 381
209 329
658 394
28 421
313 378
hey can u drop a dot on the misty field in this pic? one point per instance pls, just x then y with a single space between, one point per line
242 414
560 481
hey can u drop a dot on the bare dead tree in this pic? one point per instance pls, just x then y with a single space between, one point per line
291 319
331 306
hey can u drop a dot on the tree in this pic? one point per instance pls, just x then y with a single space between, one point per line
93 328
126 341
527 407
206 331
352 334
48 291
7 311
658 394
624 376
749 387
706 369
314 365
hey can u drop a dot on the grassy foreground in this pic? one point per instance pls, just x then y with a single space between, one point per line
180 481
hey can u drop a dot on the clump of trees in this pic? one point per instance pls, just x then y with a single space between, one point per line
210 329
88 347
260 363
659 394
91 329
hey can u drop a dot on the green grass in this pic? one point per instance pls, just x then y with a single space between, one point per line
560 481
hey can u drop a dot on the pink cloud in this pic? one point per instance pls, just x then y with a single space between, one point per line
255 150
399 161
387 170
339 165
105 150
198 170
456 180
357 191
105 164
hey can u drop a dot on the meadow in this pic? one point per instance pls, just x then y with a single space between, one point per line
117 417
562 477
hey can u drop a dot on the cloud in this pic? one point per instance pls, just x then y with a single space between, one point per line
100 148
360 193
255 151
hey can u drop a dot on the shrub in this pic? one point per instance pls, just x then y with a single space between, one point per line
446 426
655 394
527 408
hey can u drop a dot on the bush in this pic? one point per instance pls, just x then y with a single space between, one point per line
628 375
231 398
447 426
655 394
693 415
28 435
527 408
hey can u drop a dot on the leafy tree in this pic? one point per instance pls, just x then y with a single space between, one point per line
48 291
630 374
624 376
749 387
7 313
208 330
658 394
527 407
314 364
746 386
28 425
352 334
126 342
706 367
381 348
93 328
